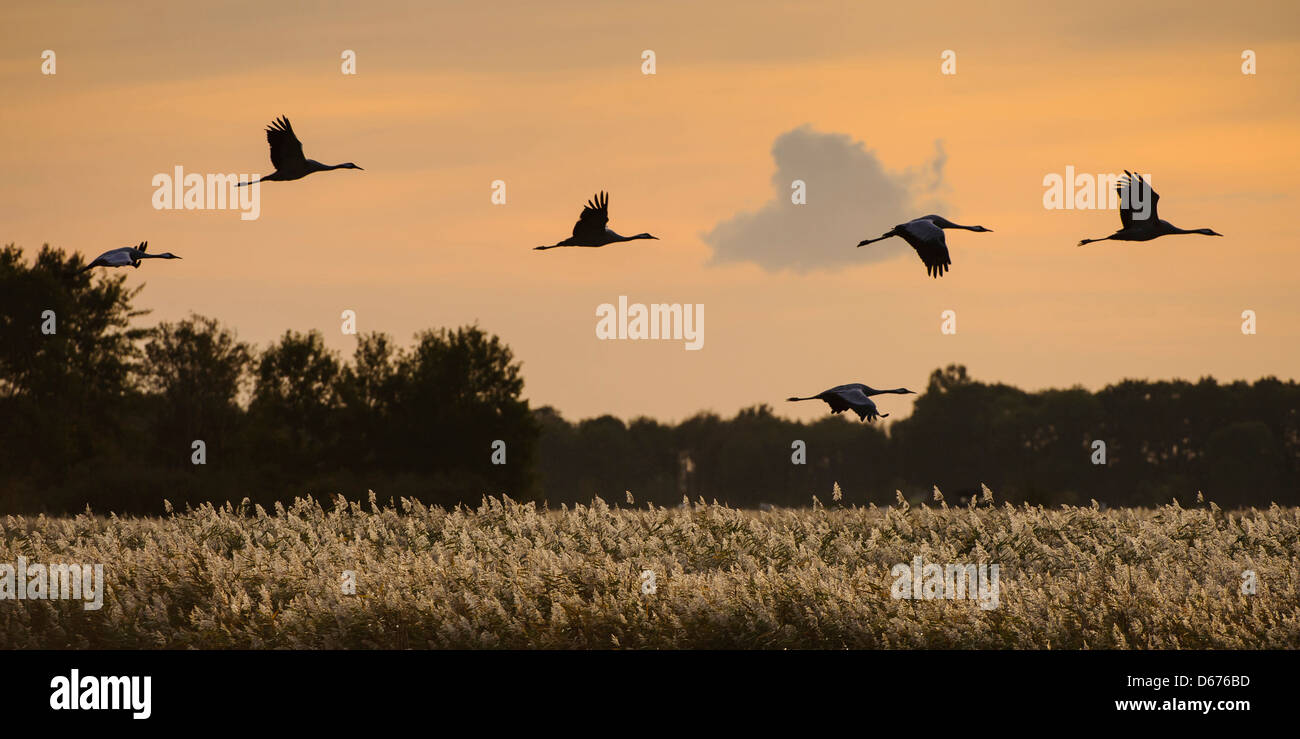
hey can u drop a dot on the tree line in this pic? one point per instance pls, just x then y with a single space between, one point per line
97 411
1133 443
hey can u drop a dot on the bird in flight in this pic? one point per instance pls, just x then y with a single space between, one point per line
127 256
287 156
590 230
925 235
857 397
1142 223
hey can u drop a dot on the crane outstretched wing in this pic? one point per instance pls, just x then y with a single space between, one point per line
116 257
1136 199
928 241
835 401
861 404
595 216
286 149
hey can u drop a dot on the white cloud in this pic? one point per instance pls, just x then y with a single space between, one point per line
850 196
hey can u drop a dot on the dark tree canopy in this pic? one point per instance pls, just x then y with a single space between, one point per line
103 412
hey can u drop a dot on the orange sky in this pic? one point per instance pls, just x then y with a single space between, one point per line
550 98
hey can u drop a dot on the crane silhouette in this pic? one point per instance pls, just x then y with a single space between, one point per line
127 256
287 156
1140 225
925 235
857 397
590 230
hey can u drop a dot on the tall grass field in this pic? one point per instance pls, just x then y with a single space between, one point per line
508 575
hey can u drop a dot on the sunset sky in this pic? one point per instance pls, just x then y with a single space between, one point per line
551 99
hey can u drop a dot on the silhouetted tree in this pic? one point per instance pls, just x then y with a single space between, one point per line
294 403
456 393
63 393
368 392
194 371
